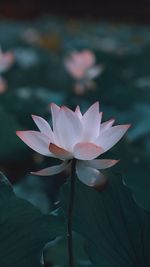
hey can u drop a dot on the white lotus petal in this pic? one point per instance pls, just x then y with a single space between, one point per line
110 137
106 125
43 126
36 140
101 164
78 112
89 176
87 151
91 123
54 110
52 170
69 128
60 152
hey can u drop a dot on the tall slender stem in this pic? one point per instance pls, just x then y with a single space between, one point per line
70 213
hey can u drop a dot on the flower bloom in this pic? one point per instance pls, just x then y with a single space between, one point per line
3 85
81 66
6 61
78 136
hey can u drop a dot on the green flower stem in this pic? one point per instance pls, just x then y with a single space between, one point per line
70 213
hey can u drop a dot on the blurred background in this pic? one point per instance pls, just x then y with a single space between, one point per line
73 53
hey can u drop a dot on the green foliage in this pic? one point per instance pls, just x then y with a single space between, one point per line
139 184
24 229
56 252
116 230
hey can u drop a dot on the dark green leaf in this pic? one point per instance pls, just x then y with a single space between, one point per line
24 230
113 225
138 180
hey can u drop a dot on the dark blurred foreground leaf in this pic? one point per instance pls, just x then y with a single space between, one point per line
24 230
117 231
56 252
139 183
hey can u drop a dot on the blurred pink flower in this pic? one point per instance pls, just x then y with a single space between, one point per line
3 85
81 65
6 61
78 136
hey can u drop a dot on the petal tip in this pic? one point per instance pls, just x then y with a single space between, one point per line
96 104
77 107
112 120
115 161
53 105
34 116
19 133
65 109
101 114
127 126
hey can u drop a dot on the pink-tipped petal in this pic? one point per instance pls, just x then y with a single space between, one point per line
89 176
43 126
78 112
106 125
68 128
35 140
87 151
6 61
110 137
91 123
101 164
54 109
51 170
60 152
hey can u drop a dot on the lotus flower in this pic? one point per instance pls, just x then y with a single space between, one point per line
6 61
81 66
78 136
3 85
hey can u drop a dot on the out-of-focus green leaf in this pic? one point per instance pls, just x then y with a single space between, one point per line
112 224
56 252
24 230
138 180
